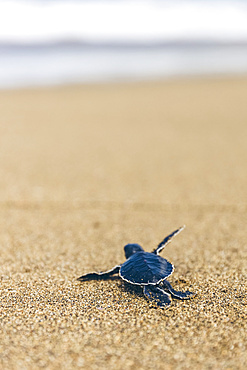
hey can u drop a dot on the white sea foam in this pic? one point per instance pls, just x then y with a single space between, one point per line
122 20
61 41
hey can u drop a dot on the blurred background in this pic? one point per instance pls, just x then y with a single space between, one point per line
83 41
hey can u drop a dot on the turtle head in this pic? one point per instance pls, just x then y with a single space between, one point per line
130 249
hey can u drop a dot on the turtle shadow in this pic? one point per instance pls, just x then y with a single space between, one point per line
105 278
134 290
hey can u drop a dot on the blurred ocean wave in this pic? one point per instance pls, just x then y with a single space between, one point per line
59 41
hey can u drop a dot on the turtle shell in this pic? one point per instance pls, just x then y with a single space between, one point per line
144 268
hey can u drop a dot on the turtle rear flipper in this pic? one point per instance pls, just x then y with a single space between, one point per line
100 275
176 294
159 296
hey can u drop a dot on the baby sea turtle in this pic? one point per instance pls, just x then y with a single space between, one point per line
148 270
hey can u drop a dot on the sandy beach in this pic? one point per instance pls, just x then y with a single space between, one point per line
87 169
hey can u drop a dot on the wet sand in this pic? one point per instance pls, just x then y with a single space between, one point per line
85 170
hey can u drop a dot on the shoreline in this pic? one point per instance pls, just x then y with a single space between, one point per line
183 79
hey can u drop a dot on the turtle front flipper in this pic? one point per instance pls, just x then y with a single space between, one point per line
167 240
175 294
100 275
159 296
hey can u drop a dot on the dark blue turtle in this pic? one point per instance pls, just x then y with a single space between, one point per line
148 270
